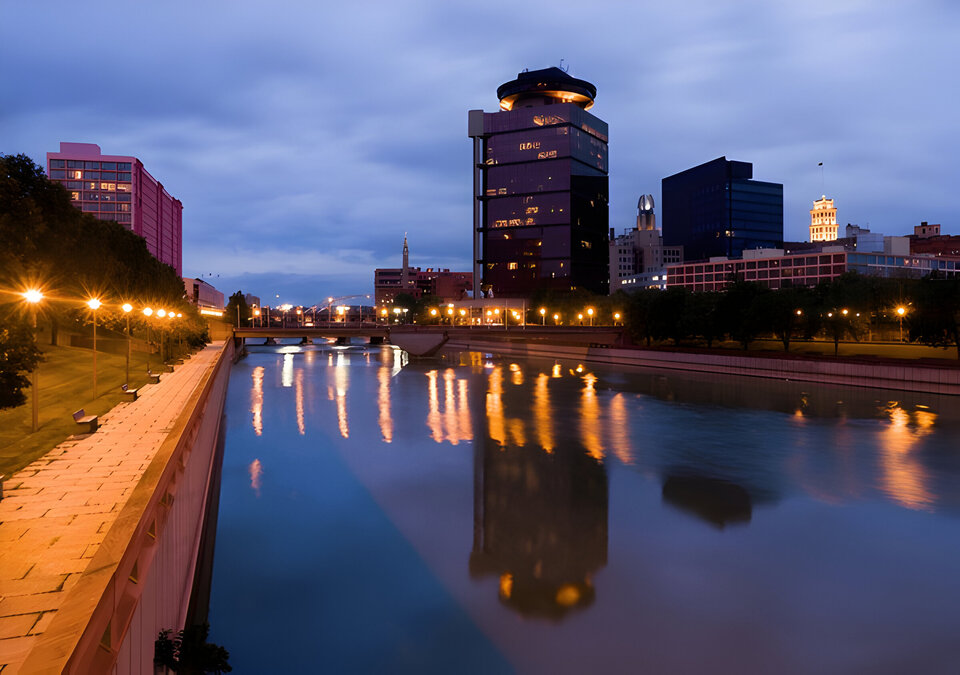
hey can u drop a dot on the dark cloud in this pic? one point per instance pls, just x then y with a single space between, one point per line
306 138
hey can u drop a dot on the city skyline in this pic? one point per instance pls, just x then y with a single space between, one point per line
304 144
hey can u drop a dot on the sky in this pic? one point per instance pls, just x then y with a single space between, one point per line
304 139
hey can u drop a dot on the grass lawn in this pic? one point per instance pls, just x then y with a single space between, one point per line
884 349
66 385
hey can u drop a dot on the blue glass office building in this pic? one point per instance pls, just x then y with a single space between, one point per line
717 209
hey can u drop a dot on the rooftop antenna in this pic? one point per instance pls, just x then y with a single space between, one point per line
567 69
823 189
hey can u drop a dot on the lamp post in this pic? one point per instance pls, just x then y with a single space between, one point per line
127 308
556 319
590 314
543 315
161 313
94 305
148 312
616 318
900 312
33 298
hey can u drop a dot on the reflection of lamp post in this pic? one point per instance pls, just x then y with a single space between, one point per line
94 304
900 312
33 297
127 308
148 312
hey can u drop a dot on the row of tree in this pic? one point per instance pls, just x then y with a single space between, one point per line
47 243
851 306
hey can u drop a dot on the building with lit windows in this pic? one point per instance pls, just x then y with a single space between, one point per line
638 258
204 296
389 282
717 209
119 188
775 268
823 220
540 188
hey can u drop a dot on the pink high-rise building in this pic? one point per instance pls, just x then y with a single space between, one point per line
115 187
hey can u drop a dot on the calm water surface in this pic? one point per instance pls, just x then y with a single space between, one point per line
474 514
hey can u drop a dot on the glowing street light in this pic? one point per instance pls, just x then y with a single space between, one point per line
94 305
33 297
543 315
590 313
616 317
580 318
901 310
556 319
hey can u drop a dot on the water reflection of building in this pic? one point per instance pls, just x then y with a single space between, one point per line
540 521
717 501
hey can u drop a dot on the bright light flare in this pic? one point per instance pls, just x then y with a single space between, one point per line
148 311
33 296
94 303
127 308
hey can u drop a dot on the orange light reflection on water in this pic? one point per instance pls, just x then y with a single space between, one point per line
904 478
383 405
256 400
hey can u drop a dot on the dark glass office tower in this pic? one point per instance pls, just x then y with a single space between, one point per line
715 209
540 188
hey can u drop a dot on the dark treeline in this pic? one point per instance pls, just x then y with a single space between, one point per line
48 244
851 306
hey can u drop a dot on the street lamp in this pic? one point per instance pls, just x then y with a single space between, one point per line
580 318
94 305
616 318
127 308
33 298
590 313
901 310
148 312
556 319
543 315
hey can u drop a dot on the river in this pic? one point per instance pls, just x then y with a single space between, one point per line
473 514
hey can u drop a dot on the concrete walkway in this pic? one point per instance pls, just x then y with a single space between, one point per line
56 511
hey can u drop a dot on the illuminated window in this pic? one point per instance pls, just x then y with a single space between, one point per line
123 187
112 187
512 266
75 174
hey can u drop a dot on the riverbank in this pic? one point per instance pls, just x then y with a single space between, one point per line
82 527
939 377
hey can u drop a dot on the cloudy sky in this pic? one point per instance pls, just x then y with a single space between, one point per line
305 138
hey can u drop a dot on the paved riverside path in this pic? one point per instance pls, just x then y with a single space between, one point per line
56 511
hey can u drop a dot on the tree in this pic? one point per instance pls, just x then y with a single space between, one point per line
237 309
667 314
18 355
639 314
935 318
741 311
783 311
702 316
189 652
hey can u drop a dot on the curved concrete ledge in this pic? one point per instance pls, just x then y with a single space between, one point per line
140 577
901 375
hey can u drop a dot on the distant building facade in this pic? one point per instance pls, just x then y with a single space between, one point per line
774 268
449 286
717 209
638 258
203 296
119 188
540 188
823 220
926 238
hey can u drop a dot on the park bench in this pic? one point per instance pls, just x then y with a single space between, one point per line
131 392
81 417
154 377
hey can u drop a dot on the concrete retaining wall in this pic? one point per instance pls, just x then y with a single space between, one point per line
901 375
